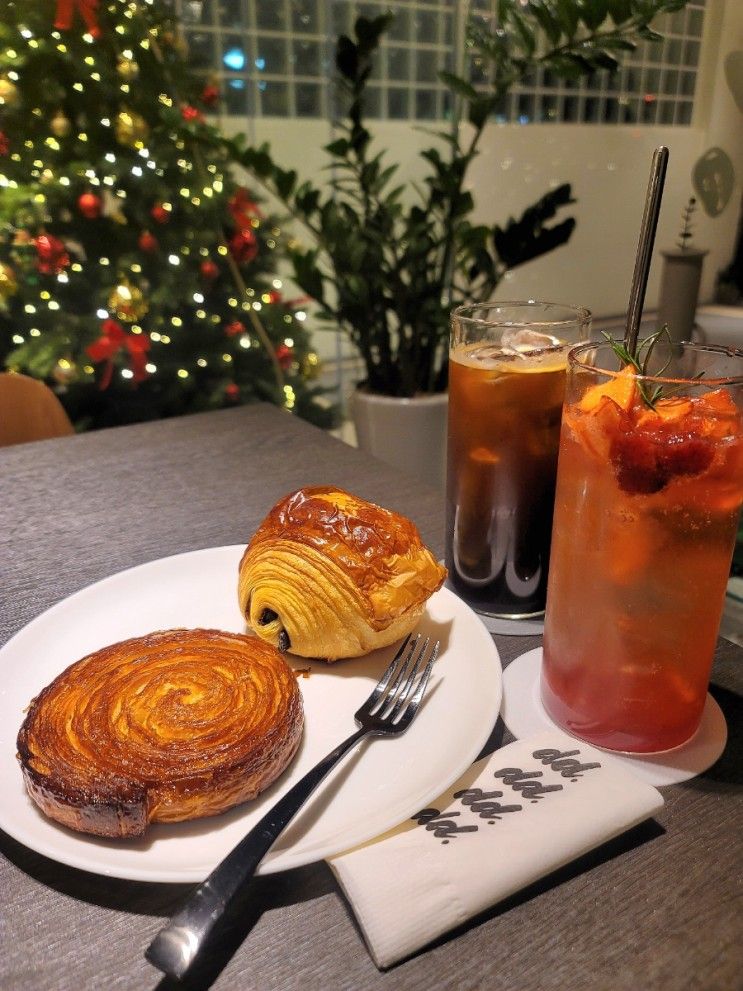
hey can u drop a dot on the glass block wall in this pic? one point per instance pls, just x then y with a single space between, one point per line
274 58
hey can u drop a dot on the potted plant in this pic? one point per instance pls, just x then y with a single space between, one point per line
388 263
680 279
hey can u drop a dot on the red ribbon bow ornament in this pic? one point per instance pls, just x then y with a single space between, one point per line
113 338
87 10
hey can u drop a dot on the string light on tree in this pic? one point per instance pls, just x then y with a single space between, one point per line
127 248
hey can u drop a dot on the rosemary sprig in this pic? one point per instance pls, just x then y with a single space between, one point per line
640 361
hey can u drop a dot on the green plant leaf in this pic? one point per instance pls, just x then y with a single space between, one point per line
545 17
593 13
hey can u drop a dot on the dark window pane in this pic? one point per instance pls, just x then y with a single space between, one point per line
548 109
425 104
271 55
373 102
649 109
426 26
426 68
670 81
665 111
340 18
231 13
271 15
200 49
694 23
570 109
306 58
236 97
691 54
308 100
683 113
399 30
611 110
592 109
274 99
304 16
672 51
525 109
398 63
397 104
628 111
651 80
688 83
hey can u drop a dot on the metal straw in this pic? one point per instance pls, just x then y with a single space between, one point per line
645 246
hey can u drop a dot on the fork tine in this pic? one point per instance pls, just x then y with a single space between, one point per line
387 676
412 707
397 702
382 707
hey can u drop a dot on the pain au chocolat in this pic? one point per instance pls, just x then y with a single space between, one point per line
176 725
330 575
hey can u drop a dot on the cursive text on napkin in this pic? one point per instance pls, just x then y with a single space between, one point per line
478 804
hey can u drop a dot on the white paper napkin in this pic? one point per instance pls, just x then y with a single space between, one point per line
512 818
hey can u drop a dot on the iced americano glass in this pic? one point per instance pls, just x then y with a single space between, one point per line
649 490
507 366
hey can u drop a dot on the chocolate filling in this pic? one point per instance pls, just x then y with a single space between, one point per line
284 641
267 616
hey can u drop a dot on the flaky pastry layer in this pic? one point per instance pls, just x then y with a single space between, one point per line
175 725
330 575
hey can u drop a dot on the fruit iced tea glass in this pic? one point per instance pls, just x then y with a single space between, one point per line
649 488
506 385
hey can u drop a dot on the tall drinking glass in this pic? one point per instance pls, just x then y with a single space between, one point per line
506 386
649 488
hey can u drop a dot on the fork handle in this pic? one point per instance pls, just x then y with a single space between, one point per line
177 944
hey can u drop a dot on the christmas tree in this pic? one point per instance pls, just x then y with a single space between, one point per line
137 276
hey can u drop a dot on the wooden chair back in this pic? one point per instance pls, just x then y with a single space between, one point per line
29 410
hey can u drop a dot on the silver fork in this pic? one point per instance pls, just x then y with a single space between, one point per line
390 709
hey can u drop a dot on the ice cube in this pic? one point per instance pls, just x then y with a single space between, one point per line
523 341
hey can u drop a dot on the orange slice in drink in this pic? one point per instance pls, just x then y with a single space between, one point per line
621 389
667 411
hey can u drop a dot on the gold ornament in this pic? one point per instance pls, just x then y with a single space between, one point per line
311 366
127 302
60 125
132 129
8 282
127 68
65 371
9 94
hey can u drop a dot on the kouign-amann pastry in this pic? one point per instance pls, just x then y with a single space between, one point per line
329 575
176 725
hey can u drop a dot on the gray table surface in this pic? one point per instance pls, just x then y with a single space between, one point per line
658 909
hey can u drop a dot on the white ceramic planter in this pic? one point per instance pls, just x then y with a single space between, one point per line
409 434
679 291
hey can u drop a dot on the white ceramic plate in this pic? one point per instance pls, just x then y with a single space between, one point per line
383 782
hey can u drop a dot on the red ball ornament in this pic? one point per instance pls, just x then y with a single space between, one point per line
51 254
274 296
209 270
90 205
148 243
191 114
159 214
284 356
234 328
4 146
244 245
232 392
210 95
